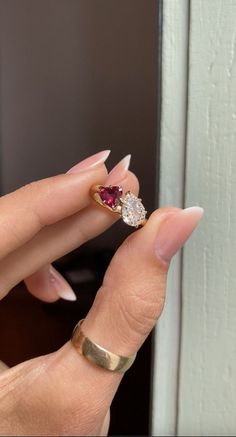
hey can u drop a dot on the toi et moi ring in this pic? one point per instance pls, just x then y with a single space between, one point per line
129 206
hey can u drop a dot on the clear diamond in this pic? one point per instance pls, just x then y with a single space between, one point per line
133 211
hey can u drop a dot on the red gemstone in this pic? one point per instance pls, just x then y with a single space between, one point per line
111 195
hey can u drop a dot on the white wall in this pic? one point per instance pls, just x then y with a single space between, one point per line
207 393
201 373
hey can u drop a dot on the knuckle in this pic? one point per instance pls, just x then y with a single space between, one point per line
137 298
30 189
34 193
141 307
140 313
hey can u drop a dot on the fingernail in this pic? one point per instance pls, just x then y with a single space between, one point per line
175 231
60 285
90 162
119 171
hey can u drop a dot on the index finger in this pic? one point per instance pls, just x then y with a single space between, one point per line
28 209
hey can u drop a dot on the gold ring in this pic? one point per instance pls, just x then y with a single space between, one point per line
129 206
99 355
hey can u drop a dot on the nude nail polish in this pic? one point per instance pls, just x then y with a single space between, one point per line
175 230
60 285
90 162
119 171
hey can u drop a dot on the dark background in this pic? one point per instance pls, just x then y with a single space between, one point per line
77 75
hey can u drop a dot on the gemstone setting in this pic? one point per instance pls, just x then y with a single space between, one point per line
110 196
133 212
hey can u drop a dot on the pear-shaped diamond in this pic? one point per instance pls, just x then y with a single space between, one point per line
133 211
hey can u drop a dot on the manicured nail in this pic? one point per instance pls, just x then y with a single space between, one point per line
90 162
60 285
175 231
119 171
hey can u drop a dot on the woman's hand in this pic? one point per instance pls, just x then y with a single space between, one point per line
63 393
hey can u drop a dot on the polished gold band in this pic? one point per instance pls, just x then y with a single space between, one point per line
99 355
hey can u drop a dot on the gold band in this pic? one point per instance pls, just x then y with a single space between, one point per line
99 355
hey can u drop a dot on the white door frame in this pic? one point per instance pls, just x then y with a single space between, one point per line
172 183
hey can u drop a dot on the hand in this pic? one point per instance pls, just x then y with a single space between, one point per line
63 393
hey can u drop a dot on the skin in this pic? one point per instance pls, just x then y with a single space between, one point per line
63 393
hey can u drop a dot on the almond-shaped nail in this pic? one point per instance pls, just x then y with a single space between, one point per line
90 162
119 171
175 230
60 285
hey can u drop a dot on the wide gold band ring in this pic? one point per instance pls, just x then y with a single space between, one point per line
99 355
128 206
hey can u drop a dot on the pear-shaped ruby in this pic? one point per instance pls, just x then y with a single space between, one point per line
111 195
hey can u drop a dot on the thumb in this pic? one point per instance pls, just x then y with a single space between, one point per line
133 292
71 395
